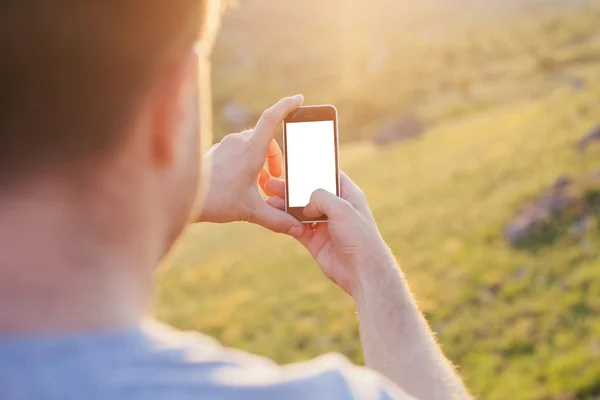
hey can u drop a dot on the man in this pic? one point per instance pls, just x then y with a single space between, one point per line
99 154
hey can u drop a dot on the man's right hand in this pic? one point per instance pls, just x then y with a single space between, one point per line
397 341
348 248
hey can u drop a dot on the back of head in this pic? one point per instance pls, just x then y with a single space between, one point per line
73 72
99 153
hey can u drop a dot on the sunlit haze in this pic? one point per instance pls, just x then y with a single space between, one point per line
472 127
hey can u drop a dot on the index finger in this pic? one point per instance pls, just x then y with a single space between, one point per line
275 160
267 125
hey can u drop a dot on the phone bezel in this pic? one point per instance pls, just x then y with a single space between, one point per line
311 114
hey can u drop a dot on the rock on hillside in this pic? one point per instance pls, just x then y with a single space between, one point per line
402 129
564 208
592 136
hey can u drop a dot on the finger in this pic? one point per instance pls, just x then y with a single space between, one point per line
277 203
276 187
275 159
306 237
267 125
324 203
263 178
277 220
315 238
353 194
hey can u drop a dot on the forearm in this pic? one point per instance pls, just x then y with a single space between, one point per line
397 340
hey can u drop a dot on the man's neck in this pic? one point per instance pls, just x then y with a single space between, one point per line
66 266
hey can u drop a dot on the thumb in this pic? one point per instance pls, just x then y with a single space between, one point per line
277 220
323 202
269 122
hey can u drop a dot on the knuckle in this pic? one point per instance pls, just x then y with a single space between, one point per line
230 139
269 115
361 192
345 206
237 142
317 195
246 134
246 144
344 209
361 196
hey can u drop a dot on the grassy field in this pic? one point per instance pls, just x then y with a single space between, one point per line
505 95
378 60
522 324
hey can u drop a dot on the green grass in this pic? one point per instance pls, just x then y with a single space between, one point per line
520 323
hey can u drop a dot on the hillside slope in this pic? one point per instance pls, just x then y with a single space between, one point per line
380 59
522 324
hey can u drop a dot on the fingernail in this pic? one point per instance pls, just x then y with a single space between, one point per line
298 97
296 230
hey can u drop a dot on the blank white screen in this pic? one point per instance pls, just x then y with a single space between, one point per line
310 160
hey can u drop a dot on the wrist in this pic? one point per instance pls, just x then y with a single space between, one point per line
215 205
379 272
203 209
213 210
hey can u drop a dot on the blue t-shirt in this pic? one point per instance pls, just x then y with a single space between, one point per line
157 362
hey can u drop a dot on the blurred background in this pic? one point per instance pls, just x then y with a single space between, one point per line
472 126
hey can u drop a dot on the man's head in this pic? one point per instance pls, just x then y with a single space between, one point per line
96 90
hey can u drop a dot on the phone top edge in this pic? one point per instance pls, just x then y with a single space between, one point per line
319 106
325 112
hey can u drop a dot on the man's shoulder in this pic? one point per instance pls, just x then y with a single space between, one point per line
202 362
158 362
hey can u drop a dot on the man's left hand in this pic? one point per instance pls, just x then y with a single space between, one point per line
242 162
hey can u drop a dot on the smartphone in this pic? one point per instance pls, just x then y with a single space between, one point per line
311 151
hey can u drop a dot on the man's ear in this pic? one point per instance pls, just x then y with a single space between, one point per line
169 103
